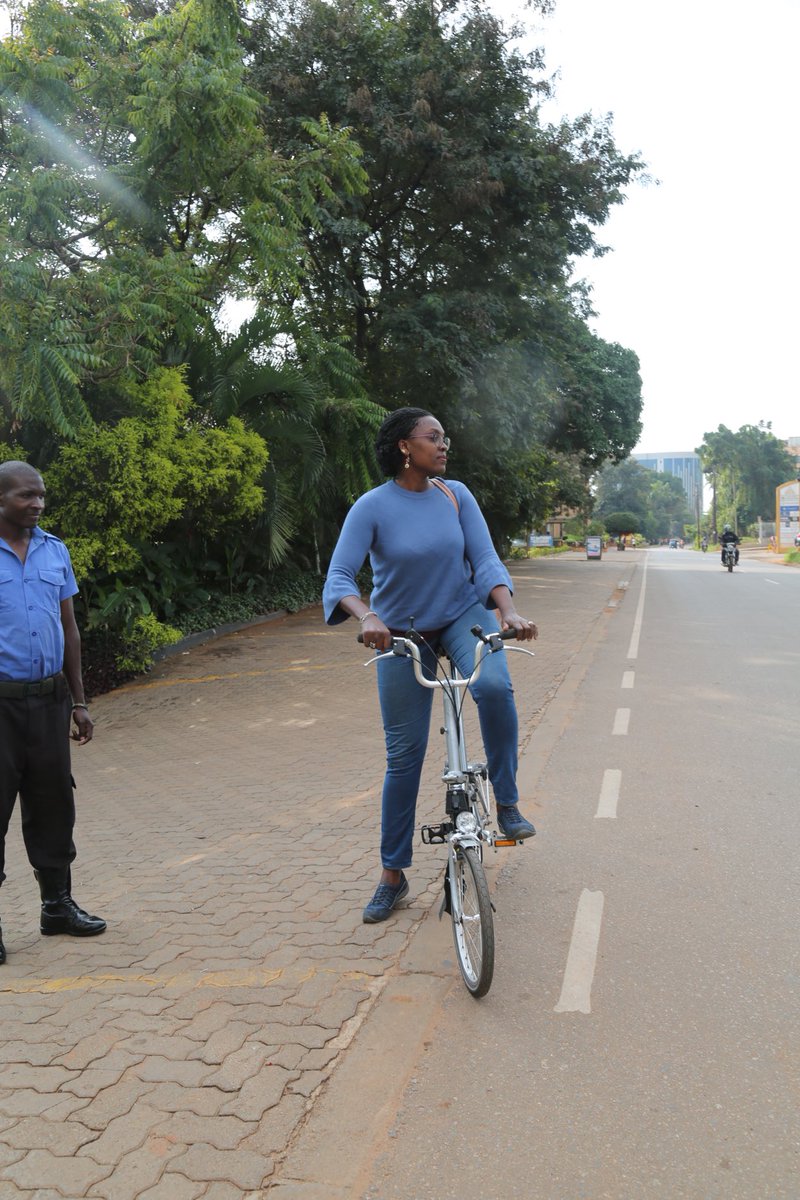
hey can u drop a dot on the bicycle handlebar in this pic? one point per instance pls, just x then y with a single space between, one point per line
487 643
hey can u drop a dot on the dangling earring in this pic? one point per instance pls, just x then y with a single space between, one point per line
408 460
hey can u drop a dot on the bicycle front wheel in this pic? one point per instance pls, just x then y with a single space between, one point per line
473 929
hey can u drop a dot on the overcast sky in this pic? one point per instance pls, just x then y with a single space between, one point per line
704 274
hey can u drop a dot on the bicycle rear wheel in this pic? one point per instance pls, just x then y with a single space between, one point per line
473 933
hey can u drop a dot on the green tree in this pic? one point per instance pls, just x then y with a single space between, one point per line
623 486
158 475
744 467
668 510
137 190
657 498
303 395
619 523
448 274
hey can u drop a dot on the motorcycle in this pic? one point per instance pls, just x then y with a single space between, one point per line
729 555
704 545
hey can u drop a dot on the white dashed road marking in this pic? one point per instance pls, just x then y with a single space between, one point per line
609 794
622 719
576 990
633 648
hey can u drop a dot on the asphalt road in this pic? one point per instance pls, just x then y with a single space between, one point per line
642 1035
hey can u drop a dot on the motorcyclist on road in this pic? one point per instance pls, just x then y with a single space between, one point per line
728 536
704 543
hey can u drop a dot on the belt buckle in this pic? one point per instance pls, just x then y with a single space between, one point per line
35 688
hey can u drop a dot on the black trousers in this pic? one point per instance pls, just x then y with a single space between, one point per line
35 764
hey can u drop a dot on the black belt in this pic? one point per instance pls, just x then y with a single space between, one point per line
39 687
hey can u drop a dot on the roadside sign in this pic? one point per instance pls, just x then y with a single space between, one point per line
787 512
594 546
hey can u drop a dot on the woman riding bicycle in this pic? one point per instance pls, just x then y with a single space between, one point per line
432 561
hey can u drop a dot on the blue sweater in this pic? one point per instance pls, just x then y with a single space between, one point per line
428 561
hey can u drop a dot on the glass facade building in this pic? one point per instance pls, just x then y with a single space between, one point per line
683 464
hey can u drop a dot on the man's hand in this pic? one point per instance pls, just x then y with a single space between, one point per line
84 726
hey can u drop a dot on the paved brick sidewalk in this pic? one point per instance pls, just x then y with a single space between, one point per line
228 829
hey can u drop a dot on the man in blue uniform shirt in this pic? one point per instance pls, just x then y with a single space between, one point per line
41 693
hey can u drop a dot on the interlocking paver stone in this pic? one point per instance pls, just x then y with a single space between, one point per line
125 1133
224 1132
59 1137
276 1126
235 968
136 1171
260 1093
70 1176
26 1103
156 1069
224 1042
173 1097
243 1168
113 1102
174 1187
239 1066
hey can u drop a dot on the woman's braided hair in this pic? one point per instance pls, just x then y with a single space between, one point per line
400 424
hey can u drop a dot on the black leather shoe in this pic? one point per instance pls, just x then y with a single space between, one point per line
60 913
2 948
64 916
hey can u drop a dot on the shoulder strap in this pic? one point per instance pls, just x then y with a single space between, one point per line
447 491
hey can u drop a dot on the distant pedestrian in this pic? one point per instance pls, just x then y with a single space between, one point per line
41 691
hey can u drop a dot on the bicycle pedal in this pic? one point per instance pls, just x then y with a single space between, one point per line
436 835
504 841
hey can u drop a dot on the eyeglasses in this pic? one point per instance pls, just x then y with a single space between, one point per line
437 439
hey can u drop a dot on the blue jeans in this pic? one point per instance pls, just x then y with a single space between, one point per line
406 712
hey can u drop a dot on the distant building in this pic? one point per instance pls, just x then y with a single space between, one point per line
793 446
683 464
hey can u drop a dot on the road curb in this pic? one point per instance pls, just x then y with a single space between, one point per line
207 635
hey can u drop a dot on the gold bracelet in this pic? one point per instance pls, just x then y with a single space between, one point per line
369 613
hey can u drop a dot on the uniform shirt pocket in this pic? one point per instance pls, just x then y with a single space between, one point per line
50 581
6 589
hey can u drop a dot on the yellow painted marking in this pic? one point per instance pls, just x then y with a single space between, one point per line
256 977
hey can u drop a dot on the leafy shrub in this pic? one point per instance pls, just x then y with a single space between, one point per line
287 589
142 639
